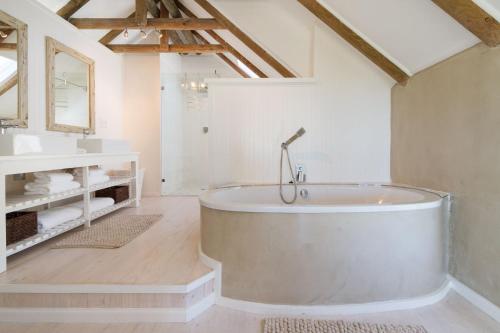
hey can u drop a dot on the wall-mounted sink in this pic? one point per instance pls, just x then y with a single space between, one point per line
31 144
107 146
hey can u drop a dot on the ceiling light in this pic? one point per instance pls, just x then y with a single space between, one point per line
160 34
125 33
3 34
144 35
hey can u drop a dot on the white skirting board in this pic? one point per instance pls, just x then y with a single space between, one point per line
335 310
102 315
477 300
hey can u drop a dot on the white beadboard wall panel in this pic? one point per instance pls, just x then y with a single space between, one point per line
248 122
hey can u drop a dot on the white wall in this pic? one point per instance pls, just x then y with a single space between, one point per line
346 114
142 115
42 22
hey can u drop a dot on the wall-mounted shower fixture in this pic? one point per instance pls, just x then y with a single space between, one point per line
284 148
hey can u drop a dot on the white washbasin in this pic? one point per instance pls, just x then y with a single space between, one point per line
31 144
107 146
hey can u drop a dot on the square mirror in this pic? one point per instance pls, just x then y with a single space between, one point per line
70 89
13 71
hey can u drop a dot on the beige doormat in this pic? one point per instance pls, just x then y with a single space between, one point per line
297 325
112 233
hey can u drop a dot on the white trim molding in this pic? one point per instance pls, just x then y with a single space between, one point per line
335 310
477 300
103 315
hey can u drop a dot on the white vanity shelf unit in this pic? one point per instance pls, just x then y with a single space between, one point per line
10 165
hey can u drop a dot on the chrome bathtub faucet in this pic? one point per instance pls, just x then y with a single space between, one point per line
300 172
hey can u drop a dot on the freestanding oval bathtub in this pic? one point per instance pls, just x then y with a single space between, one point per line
339 244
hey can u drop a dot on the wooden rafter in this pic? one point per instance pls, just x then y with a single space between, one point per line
473 18
163 13
230 49
9 84
249 42
223 56
157 48
8 46
173 10
71 8
173 35
159 23
141 13
355 40
153 8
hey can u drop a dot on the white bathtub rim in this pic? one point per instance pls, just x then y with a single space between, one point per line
206 201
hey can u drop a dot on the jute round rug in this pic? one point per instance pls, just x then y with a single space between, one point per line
111 233
298 325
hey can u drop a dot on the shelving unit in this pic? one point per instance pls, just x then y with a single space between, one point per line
10 165
20 202
46 235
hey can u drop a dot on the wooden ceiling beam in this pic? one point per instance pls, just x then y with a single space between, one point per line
223 56
71 8
141 13
8 46
229 47
153 8
249 42
174 11
473 18
156 48
355 40
159 23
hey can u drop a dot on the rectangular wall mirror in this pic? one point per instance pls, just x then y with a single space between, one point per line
13 71
70 89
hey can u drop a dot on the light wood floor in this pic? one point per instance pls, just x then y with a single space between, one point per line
165 254
453 315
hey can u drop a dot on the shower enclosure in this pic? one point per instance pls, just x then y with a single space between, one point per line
184 103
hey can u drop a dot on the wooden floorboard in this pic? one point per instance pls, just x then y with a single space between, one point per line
452 315
165 254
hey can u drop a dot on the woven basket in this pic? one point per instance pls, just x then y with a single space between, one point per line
20 225
118 193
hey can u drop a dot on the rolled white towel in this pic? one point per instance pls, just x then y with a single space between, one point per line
95 204
53 217
56 177
50 188
94 179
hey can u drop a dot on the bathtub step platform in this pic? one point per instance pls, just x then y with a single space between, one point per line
106 303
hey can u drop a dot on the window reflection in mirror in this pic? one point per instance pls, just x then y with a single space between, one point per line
71 91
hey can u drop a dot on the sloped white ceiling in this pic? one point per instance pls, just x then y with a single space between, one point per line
415 34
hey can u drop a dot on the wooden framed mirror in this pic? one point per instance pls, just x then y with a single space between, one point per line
70 89
13 71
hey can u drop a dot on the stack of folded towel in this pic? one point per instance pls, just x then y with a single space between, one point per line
50 183
96 176
53 217
95 204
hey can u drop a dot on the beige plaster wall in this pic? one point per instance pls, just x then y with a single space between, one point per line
142 102
446 136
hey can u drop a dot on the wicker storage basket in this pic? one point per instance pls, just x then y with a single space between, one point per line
20 225
118 193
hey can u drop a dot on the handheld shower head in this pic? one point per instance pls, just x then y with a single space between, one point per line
297 135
